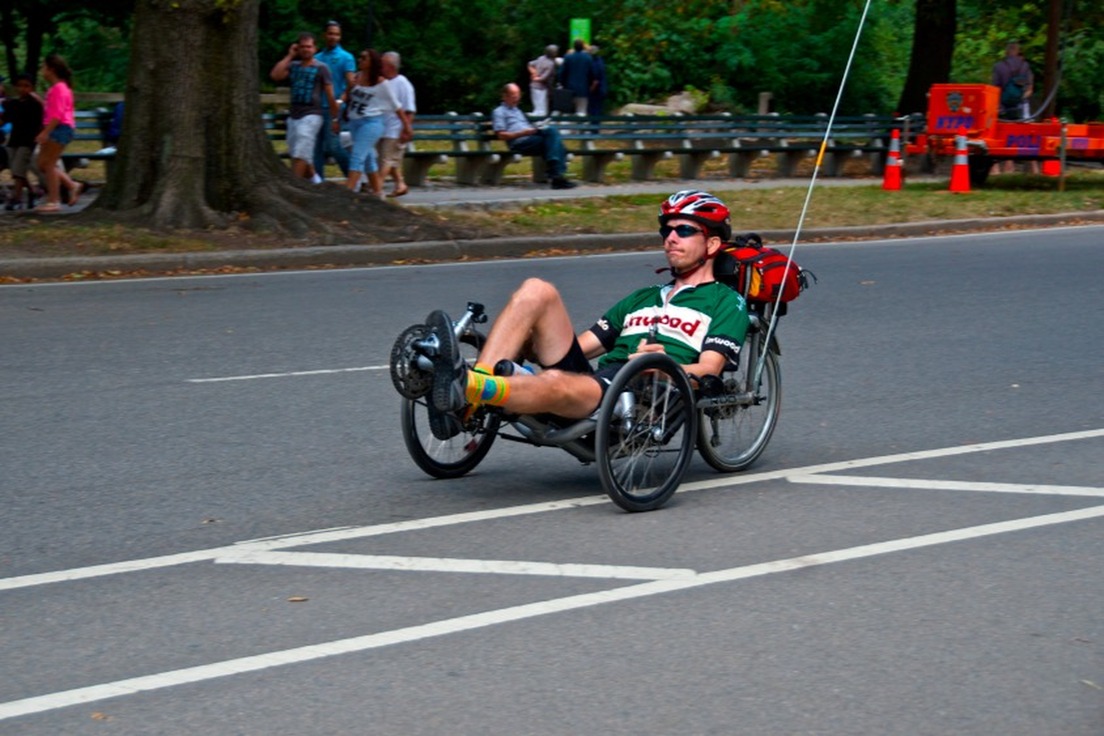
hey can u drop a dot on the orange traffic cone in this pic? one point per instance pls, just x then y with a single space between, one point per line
891 181
960 172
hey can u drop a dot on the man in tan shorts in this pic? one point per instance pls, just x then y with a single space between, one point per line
394 140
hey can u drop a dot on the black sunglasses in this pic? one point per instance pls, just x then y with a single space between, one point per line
683 231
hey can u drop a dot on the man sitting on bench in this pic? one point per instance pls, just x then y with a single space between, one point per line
511 125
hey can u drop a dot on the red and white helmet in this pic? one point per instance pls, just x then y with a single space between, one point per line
703 207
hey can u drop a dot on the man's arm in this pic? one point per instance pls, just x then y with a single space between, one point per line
407 119
504 136
710 363
500 123
591 345
335 111
325 77
283 67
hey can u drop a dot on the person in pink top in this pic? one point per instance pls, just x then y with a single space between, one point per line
59 123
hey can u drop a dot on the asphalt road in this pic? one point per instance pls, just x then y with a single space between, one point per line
919 551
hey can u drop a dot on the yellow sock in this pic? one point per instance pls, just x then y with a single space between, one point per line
483 389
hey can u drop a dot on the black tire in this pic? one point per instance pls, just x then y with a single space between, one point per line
642 454
458 455
733 433
980 166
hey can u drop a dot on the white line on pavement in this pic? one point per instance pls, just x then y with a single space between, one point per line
334 535
295 540
289 374
450 565
946 485
308 653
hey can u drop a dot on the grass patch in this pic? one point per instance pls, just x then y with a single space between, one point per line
767 207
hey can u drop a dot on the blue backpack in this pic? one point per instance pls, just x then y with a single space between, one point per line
1012 94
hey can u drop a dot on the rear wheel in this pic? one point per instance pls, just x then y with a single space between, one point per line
734 428
645 433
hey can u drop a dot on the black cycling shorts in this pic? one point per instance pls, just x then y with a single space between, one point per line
576 362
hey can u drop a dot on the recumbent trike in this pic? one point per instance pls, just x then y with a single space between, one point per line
644 432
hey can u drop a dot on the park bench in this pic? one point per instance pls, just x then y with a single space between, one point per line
90 125
646 140
696 139
468 142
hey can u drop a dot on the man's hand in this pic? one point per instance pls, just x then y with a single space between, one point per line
647 347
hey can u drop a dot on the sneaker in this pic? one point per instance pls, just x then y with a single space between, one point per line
561 183
444 425
449 370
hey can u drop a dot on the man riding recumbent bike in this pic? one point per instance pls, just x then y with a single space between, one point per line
681 364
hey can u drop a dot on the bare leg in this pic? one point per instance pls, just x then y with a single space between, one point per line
302 169
571 395
74 187
18 183
48 155
396 175
535 320
375 183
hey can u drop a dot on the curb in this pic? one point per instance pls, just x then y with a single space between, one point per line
453 250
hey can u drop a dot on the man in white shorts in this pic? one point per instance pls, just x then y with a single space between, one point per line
311 87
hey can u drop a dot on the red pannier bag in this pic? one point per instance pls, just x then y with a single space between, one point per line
759 272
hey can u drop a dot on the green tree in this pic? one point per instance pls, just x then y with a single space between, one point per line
27 25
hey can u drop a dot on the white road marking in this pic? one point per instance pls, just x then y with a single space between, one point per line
903 457
147 683
444 564
947 485
333 535
289 374
294 540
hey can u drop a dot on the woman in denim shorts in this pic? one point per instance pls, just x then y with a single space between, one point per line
367 99
59 121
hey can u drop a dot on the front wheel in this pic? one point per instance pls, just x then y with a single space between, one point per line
449 458
645 432
734 428
457 455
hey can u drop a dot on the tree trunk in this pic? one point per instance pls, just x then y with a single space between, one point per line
932 49
194 153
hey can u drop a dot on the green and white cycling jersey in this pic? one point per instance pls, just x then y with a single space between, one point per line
711 316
